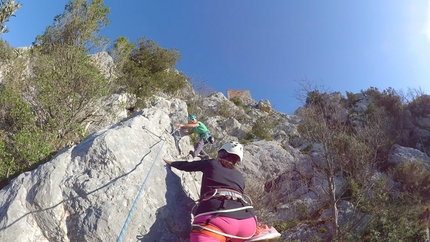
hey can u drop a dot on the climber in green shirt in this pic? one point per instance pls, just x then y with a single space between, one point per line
195 126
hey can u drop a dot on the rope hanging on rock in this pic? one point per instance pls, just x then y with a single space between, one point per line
127 221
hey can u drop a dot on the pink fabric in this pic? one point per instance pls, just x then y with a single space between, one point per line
236 227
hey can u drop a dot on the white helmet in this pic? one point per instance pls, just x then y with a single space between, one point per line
233 147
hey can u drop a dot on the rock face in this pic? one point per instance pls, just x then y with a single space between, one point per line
114 184
417 124
265 106
399 154
87 191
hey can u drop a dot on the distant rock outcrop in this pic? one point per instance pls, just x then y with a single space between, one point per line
246 94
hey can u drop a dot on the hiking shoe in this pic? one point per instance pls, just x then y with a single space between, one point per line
211 139
191 153
204 157
265 232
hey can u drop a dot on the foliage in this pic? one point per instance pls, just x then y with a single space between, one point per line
30 146
354 154
420 106
43 113
224 109
66 87
15 113
22 144
6 51
315 98
121 51
346 149
7 165
282 226
262 128
79 25
237 101
414 177
150 69
246 140
391 102
45 103
7 10
389 99
352 98
394 223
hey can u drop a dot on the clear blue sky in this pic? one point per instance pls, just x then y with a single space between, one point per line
267 46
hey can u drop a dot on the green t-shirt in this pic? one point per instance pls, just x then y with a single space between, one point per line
201 129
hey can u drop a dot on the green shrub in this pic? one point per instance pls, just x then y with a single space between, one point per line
7 166
150 69
43 113
7 10
65 89
390 101
353 153
26 144
322 230
224 109
420 106
352 98
282 226
79 25
262 128
315 98
394 223
6 51
237 101
121 51
14 112
415 178
31 145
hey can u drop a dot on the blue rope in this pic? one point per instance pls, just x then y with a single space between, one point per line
124 228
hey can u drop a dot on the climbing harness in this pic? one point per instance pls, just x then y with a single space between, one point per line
207 137
211 230
223 193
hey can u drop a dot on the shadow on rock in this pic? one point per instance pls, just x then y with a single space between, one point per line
173 221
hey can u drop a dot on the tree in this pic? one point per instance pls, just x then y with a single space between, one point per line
7 10
47 95
315 129
65 84
121 51
6 52
64 92
348 151
78 25
150 69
